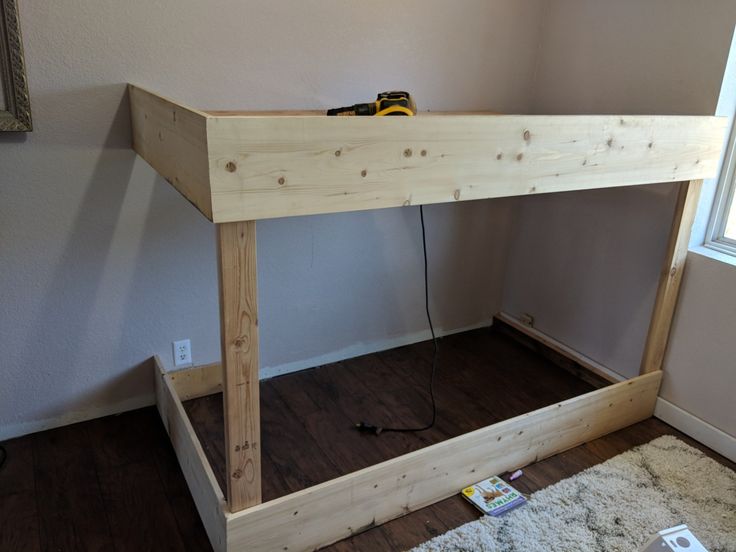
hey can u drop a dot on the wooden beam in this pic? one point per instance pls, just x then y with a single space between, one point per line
328 512
277 166
561 349
199 381
248 166
200 478
173 140
239 335
671 276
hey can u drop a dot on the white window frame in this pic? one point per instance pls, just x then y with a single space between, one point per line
725 197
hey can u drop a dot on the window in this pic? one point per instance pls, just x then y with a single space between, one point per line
722 227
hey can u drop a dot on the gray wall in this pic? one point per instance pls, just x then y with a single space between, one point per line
103 265
591 281
700 369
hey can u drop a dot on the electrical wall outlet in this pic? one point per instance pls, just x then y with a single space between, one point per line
183 353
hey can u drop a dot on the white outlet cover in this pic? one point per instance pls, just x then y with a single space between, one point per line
183 353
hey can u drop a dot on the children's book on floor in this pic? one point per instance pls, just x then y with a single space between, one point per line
493 496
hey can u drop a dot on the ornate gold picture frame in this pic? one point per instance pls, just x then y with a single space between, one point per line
15 105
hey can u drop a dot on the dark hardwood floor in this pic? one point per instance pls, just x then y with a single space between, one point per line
114 483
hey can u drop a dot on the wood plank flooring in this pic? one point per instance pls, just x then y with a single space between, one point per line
114 483
308 418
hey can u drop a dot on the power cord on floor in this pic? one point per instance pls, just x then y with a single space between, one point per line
377 430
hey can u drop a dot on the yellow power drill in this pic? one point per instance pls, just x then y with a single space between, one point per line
387 103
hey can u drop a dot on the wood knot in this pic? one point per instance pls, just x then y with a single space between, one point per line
231 166
407 152
282 180
457 194
338 153
673 271
423 153
650 145
527 135
609 143
363 173
499 156
237 474
520 157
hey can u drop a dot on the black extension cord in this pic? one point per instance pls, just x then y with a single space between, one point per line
377 430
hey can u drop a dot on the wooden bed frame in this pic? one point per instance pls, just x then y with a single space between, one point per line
239 167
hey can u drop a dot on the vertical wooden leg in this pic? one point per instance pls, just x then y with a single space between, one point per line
236 248
671 276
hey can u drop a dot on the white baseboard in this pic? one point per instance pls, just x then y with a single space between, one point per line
360 349
562 349
9 431
694 427
24 428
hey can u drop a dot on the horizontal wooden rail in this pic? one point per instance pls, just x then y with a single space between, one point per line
198 473
237 167
325 513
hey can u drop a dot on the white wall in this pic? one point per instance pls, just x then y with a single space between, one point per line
103 265
700 366
591 282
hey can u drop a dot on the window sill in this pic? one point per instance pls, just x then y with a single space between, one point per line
724 258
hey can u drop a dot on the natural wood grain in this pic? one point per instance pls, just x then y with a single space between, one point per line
132 437
173 140
321 113
238 166
350 504
264 167
197 471
316 409
239 337
671 276
198 381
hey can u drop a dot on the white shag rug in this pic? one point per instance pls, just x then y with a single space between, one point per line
614 506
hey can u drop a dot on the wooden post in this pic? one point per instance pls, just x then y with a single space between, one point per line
671 276
236 248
